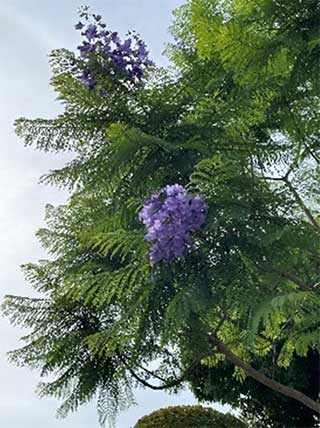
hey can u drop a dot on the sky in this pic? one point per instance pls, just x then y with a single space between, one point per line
29 30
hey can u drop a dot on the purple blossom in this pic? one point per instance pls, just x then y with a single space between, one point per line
126 47
136 72
105 34
106 49
91 32
115 37
118 60
171 217
142 50
86 47
128 57
174 190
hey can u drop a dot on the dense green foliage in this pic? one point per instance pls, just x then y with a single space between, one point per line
261 406
237 122
189 417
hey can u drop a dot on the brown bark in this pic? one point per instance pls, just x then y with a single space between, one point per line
260 377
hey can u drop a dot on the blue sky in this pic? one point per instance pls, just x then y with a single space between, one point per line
29 30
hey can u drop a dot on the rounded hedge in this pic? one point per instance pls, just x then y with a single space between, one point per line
189 417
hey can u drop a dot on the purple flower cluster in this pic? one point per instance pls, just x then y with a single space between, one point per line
171 217
129 57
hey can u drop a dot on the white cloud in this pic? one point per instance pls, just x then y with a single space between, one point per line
14 16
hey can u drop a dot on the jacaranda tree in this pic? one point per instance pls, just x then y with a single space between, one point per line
191 236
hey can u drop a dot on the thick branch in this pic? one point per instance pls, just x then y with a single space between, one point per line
292 277
302 205
297 197
260 377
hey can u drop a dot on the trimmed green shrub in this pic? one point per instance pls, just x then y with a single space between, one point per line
189 417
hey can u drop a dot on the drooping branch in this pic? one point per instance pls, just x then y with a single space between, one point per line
260 377
167 385
161 387
151 373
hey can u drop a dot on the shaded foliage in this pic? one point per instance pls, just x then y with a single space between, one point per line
236 122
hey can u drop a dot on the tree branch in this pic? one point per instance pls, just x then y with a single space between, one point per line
151 373
302 204
296 195
167 385
292 277
260 377
301 136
